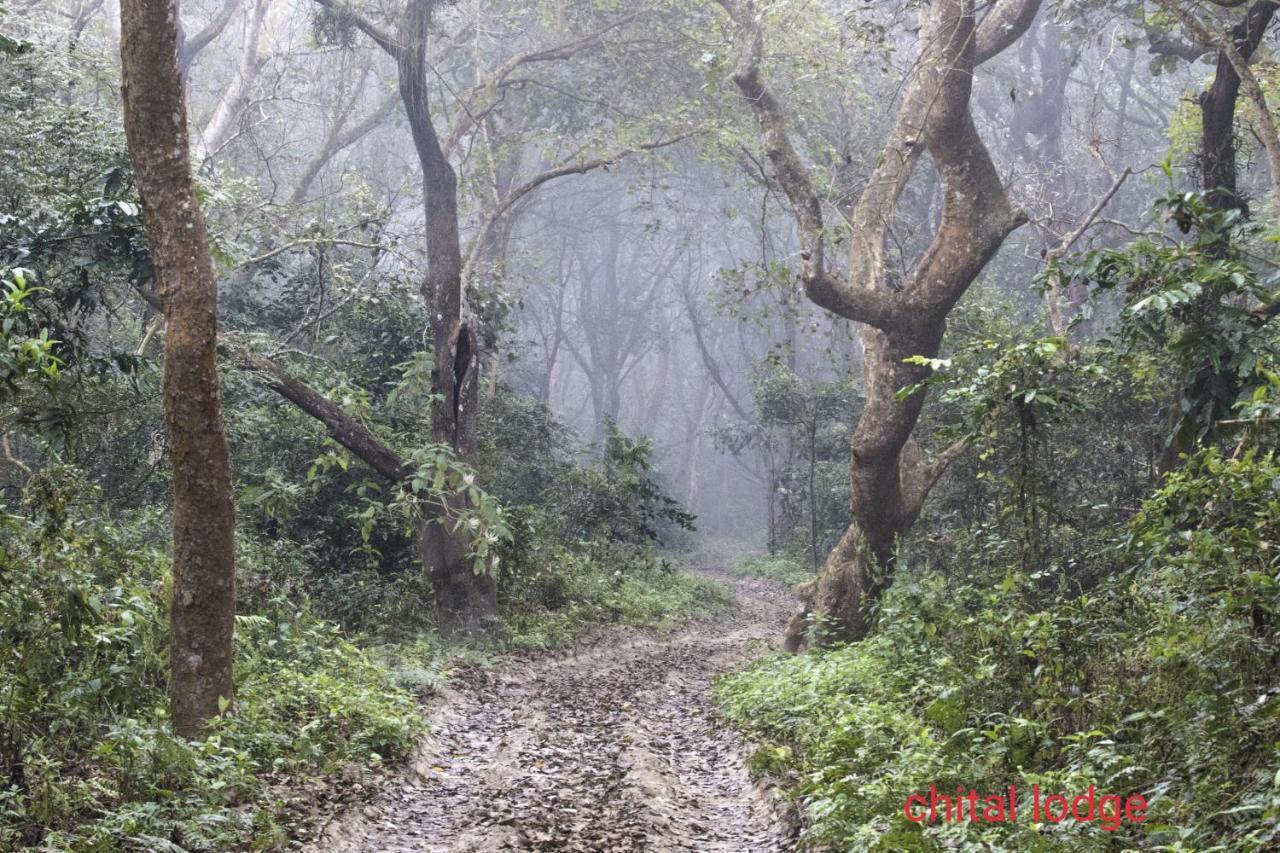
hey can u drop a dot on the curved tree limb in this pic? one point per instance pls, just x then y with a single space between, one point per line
1003 26
379 36
846 298
582 167
189 48
339 137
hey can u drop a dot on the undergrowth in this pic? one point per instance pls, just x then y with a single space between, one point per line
607 585
1158 680
88 760
778 568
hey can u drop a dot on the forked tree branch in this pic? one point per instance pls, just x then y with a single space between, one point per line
822 286
380 37
1249 82
189 48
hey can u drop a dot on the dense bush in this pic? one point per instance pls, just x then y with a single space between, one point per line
87 758
1160 680
784 570
605 584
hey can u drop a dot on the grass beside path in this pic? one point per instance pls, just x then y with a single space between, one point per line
783 570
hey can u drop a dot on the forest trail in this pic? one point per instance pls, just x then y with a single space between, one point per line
614 748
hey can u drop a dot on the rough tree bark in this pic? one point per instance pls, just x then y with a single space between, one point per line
203 606
890 476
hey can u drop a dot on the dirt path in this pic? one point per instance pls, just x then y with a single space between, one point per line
612 749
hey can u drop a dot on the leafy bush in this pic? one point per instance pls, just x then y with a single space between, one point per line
619 500
571 590
1160 680
87 757
777 568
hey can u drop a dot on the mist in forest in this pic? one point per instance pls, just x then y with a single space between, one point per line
653 284
346 339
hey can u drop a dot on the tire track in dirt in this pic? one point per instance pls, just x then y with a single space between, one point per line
614 748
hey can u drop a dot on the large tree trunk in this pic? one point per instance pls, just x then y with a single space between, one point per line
465 599
890 477
203 606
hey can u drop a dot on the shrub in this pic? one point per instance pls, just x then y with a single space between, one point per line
88 759
777 568
606 584
1159 680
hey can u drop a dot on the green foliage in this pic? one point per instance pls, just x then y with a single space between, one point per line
1193 301
784 570
1159 680
1061 447
582 549
353 532
26 351
442 488
560 498
71 251
87 758
622 500
570 591
801 429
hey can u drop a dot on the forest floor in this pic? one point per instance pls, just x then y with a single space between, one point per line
615 747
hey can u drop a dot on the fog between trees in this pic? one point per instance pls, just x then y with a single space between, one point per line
511 294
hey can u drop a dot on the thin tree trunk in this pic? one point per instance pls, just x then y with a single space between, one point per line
466 599
813 498
1219 178
203 606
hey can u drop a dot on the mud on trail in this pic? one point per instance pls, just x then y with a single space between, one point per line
614 748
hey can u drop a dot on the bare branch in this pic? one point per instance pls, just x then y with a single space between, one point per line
1054 288
189 48
1003 26
485 96
297 244
341 137
919 475
564 170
